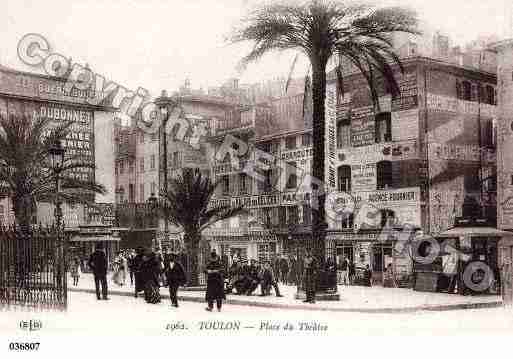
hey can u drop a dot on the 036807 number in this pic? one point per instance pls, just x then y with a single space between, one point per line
23 346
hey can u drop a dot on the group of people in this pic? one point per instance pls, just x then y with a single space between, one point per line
245 278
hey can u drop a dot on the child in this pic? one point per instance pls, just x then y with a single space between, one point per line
75 270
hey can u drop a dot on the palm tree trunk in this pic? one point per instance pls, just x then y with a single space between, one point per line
192 240
23 212
318 165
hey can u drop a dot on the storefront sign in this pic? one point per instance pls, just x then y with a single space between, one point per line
297 154
32 85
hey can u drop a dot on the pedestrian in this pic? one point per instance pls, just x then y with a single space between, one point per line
284 269
98 263
130 265
137 262
175 276
351 271
330 268
150 271
343 269
215 283
310 277
276 268
367 276
253 275
268 280
75 270
292 278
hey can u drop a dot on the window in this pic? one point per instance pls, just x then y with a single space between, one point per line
384 174
306 140
343 134
141 164
131 167
175 159
293 212
387 218
383 127
307 215
243 183
152 162
290 143
488 138
225 183
141 137
121 195
471 180
154 136
266 147
344 178
131 193
466 90
282 216
266 185
490 95
153 188
291 175
121 167
141 193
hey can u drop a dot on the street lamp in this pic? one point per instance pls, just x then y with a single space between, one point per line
165 103
57 152
152 201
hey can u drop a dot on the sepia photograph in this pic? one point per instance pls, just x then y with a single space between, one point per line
251 178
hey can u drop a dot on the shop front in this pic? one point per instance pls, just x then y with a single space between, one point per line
387 260
84 242
461 260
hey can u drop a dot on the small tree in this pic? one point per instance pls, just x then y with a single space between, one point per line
25 173
187 205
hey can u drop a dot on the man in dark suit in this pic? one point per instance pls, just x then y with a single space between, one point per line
175 276
98 263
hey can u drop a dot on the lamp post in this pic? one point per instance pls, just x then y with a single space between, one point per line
152 201
56 153
165 104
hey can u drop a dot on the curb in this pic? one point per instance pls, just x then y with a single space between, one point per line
432 308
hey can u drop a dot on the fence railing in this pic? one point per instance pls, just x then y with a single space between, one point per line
32 269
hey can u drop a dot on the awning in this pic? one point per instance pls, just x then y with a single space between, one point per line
474 232
78 238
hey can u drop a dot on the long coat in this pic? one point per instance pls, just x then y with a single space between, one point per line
215 281
175 275
98 263
310 276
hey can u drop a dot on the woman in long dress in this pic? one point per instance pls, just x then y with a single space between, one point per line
150 271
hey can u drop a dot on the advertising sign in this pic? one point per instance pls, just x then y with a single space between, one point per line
362 126
363 177
408 98
331 131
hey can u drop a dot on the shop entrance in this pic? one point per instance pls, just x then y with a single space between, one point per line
345 250
381 261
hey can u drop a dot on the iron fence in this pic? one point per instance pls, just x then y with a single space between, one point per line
32 269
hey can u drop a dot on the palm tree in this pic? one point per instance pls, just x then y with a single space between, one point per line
25 174
186 204
327 31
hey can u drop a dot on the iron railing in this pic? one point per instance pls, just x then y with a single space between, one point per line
32 269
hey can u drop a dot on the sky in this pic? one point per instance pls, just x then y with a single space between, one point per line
157 44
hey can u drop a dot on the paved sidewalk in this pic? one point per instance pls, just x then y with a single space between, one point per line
352 298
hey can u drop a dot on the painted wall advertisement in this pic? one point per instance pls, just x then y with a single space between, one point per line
331 131
79 143
409 93
363 177
362 126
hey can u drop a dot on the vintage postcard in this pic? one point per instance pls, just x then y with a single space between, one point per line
253 171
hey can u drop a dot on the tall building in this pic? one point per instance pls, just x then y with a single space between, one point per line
417 162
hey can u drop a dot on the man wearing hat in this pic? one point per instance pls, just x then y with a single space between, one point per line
175 275
98 263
